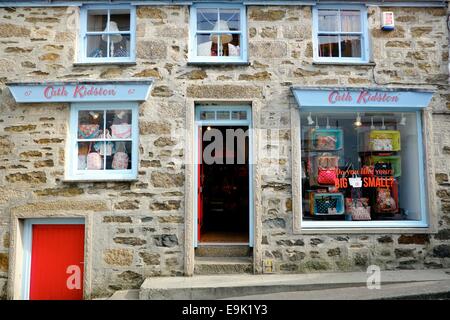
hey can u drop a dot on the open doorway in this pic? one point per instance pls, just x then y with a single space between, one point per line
223 180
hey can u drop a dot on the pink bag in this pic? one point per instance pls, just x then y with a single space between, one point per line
94 160
120 160
358 208
121 131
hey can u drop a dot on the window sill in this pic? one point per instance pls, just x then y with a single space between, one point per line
218 63
365 230
87 179
337 63
87 64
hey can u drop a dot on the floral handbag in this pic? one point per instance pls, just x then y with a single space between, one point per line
358 208
120 159
379 144
88 131
94 160
385 202
326 142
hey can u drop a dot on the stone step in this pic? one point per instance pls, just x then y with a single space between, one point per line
223 251
243 285
223 265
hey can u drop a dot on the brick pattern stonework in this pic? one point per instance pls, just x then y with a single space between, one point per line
138 228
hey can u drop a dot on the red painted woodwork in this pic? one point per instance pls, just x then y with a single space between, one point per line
200 184
55 248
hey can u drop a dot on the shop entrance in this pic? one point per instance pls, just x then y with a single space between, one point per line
223 178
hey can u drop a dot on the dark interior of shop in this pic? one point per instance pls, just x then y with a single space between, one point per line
225 191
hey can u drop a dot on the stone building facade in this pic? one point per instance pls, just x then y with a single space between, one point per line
144 228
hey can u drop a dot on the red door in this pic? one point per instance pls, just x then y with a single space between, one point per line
57 262
200 184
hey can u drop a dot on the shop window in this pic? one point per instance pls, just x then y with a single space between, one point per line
218 33
340 34
362 169
103 142
107 34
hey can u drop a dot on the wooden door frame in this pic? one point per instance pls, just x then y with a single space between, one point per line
17 248
244 123
28 247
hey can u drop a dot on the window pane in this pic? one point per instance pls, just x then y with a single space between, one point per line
206 19
96 47
350 46
328 46
90 155
120 45
97 20
360 171
204 46
350 21
207 115
224 44
328 20
223 115
118 124
239 115
90 124
121 156
119 20
230 19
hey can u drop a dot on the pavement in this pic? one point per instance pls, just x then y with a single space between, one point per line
411 284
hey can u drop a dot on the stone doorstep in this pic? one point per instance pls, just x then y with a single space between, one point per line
226 286
223 265
223 251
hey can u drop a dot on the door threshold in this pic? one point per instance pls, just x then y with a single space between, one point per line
223 243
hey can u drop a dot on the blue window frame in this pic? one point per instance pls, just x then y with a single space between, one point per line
218 33
340 34
103 142
107 34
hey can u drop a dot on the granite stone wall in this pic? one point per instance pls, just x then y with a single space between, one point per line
138 228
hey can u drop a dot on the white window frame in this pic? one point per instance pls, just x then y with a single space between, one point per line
375 224
365 48
82 56
72 172
193 58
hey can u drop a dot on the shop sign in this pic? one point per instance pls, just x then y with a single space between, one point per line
80 91
364 97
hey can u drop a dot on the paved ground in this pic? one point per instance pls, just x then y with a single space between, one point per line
419 284
414 290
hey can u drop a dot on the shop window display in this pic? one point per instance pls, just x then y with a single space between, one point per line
109 140
105 143
361 166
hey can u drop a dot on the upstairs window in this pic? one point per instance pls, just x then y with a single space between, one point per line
340 34
107 34
218 34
